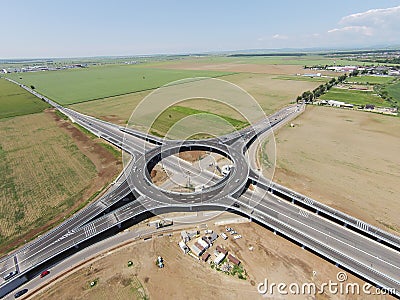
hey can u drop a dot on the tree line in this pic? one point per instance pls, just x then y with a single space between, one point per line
309 96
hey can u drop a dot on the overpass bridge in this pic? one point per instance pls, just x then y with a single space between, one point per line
369 252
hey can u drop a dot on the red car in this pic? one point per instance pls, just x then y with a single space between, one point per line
44 273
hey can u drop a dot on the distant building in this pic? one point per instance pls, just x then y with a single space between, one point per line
233 260
183 246
394 73
312 75
205 256
219 258
192 233
185 236
210 239
203 243
342 69
221 250
335 103
196 249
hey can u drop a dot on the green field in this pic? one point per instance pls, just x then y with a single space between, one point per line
42 175
353 97
370 79
394 91
15 101
79 85
309 60
209 123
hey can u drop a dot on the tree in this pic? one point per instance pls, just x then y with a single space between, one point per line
32 87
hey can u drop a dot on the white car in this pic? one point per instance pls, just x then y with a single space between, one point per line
233 232
237 237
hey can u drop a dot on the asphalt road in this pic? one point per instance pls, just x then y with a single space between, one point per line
366 257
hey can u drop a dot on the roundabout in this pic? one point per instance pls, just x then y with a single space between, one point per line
233 183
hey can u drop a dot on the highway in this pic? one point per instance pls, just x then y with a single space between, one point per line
356 250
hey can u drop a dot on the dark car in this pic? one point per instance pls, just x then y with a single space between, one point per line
20 293
9 275
44 273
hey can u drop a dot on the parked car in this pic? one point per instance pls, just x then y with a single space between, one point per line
224 236
237 237
20 293
44 273
233 232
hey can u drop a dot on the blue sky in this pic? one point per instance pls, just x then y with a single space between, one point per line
48 28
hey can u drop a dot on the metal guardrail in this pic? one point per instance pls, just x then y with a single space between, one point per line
344 218
329 256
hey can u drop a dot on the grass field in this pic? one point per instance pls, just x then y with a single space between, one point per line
370 79
42 173
354 97
209 123
344 158
269 92
309 60
79 85
15 101
394 91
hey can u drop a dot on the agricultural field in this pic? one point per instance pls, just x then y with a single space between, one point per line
354 97
269 92
15 101
78 85
303 78
42 172
346 159
370 79
394 91
309 60
168 123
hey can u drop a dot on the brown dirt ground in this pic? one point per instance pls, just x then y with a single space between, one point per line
183 277
158 175
191 156
237 67
107 167
346 159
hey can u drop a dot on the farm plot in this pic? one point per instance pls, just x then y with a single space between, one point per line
15 101
353 96
79 85
346 159
43 173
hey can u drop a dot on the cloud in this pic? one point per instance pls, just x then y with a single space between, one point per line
275 37
279 37
374 17
353 29
380 24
